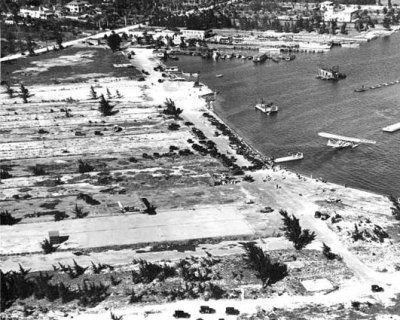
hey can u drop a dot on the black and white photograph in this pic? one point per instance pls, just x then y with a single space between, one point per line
200 159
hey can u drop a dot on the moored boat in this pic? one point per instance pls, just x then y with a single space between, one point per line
268 108
292 157
260 58
361 89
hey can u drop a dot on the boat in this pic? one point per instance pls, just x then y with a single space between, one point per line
275 59
361 89
229 56
392 128
268 108
350 45
292 157
260 58
171 69
330 74
219 75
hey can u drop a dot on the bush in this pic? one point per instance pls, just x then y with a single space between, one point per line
60 215
48 247
173 126
115 317
79 213
294 233
7 219
88 199
105 108
326 251
248 178
90 294
38 170
84 166
267 271
5 173
149 271
171 109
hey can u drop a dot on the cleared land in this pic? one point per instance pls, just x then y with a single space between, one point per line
203 209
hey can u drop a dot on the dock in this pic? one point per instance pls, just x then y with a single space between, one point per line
392 128
378 86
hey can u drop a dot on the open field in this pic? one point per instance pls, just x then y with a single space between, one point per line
204 209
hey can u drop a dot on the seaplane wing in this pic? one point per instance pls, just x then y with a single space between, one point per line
343 138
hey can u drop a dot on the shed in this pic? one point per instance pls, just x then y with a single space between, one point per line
54 237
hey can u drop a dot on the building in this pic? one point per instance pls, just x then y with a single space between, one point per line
36 12
77 6
195 34
346 14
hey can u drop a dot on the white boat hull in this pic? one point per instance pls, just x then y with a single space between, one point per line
294 157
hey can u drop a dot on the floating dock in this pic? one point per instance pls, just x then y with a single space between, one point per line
378 86
392 128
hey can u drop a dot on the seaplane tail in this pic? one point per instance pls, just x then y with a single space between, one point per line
339 142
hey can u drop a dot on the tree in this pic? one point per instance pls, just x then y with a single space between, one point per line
59 40
267 271
343 28
7 219
106 108
10 91
114 41
386 22
24 94
109 95
30 45
79 213
48 247
294 233
327 252
93 93
171 109
11 42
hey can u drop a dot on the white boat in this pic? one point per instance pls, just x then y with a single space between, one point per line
292 157
219 75
350 45
392 128
266 108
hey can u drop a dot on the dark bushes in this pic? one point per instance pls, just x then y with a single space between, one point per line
293 232
267 271
7 219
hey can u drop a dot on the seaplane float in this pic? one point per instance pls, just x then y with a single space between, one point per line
341 142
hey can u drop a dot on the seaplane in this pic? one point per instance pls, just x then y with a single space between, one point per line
341 142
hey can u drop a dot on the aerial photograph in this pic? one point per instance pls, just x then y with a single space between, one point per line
200 159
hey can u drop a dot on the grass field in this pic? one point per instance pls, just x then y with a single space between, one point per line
66 66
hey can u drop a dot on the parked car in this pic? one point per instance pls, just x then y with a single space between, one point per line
232 311
181 314
206 309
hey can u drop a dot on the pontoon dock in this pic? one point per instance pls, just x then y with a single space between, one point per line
392 128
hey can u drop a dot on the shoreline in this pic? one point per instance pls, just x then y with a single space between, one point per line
279 167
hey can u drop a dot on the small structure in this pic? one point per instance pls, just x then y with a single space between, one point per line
317 285
77 6
55 238
330 74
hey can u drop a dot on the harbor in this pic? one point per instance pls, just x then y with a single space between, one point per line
311 106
